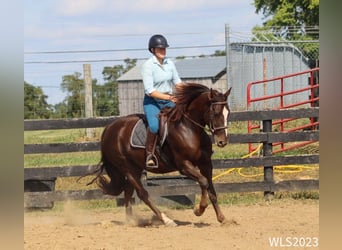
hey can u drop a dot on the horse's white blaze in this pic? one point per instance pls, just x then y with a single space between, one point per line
225 115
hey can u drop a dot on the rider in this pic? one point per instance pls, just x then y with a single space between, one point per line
159 76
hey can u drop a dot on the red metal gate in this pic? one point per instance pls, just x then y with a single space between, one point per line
285 125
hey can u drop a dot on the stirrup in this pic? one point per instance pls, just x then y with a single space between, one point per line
151 161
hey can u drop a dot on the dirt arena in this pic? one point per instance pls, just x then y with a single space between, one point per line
250 227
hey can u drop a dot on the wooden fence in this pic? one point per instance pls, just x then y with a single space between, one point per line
40 182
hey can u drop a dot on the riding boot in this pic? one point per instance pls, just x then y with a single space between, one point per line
151 141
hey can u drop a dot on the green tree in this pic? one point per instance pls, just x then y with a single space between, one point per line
219 53
35 104
106 99
75 100
74 86
106 96
290 19
294 20
60 110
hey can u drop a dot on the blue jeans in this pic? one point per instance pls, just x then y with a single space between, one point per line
152 108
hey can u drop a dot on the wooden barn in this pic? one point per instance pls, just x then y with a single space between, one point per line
209 71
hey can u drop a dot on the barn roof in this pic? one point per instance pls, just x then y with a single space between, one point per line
204 67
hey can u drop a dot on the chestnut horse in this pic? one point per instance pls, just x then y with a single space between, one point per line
187 147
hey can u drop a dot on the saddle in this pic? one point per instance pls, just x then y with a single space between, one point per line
139 133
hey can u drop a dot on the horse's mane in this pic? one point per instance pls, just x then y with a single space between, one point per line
186 93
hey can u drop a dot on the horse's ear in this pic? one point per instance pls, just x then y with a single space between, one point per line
228 92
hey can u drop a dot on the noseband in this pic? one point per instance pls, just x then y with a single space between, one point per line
211 126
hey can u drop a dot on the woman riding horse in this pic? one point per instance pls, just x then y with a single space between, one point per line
159 76
188 148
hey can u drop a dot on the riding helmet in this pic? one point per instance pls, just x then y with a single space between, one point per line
157 41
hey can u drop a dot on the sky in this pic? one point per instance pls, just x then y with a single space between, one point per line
60 36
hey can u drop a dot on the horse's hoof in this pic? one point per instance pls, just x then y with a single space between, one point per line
171 223
168 222
197 211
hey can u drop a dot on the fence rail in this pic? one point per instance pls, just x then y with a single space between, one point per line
35 194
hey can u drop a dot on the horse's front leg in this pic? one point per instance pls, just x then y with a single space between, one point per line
200 208
205 180
194 173
213 198
206 171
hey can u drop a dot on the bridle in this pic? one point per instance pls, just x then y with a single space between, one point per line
211 126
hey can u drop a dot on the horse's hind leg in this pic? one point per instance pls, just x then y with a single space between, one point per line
143 195
128 193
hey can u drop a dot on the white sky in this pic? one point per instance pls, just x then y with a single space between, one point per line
88 25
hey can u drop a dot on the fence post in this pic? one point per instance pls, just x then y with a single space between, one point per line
88 97
267 151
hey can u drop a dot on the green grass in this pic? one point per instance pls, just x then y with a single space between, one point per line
65 159
60 136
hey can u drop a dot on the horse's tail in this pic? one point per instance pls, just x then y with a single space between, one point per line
115 184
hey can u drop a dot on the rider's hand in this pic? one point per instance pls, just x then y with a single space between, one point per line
173 98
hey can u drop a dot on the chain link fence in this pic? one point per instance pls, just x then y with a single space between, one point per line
251 60
260 63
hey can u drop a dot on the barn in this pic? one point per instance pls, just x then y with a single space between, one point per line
247 62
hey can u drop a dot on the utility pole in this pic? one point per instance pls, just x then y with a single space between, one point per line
228 57
88 97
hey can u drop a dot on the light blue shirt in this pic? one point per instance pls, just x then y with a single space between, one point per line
157 77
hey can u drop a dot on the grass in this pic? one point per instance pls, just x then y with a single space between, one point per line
230 151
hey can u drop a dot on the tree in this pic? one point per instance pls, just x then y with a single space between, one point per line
74 86
111 74
107 97
60 110
35 104
294 20
74 102
219 53
290 19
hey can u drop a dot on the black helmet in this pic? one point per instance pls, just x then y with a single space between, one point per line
157 41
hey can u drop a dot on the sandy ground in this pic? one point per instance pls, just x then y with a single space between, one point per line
107 229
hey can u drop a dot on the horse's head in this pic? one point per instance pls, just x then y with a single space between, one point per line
218 116
203 106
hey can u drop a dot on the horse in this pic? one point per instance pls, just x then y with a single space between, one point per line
187 148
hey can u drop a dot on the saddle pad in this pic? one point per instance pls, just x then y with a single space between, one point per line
138 136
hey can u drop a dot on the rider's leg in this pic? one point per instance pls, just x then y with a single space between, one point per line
151 109
151 141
